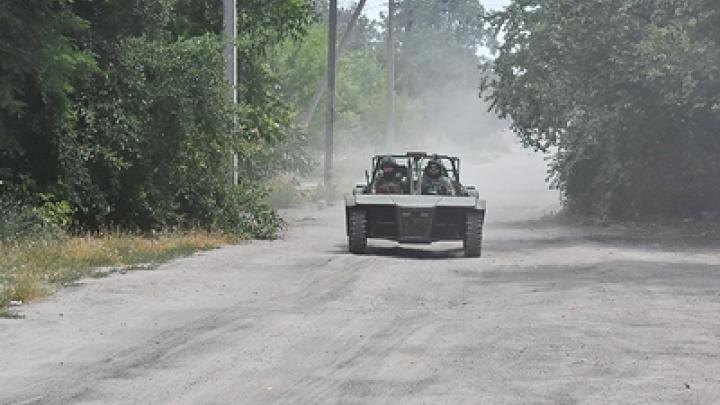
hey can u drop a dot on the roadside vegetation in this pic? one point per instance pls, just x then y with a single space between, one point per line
34 268
119 111
625 97
115 115
38 255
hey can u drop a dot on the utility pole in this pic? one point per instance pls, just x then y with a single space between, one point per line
230 54
322 84
330 115
390 131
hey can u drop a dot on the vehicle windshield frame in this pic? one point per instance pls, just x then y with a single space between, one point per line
415 163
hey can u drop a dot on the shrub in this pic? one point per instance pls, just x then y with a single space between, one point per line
20 221
246 214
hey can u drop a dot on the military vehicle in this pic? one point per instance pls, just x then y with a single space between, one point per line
413 213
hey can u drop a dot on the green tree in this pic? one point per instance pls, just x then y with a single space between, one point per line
625 94
120 108
40 66
360 85
438 76
439 42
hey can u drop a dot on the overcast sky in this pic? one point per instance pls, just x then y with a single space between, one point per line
374 7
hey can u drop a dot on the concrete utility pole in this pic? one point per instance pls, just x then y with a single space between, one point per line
390 131
230 53
330 115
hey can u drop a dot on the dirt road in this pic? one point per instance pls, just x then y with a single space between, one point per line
550 314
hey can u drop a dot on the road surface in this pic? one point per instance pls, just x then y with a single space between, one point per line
550 314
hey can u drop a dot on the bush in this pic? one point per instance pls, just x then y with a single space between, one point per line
245 214
21 221
119 113
624 94
284 192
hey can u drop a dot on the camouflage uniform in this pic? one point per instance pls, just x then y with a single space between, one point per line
436 183
391 181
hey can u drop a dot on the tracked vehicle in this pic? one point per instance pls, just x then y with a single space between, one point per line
413 213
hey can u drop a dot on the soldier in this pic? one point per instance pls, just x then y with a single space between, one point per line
434 181
391 179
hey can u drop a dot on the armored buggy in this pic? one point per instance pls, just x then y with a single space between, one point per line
413 213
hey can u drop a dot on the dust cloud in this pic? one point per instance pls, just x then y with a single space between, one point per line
455 121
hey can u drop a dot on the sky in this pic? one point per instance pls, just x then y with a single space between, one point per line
374 7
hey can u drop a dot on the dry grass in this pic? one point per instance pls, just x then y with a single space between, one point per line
34 269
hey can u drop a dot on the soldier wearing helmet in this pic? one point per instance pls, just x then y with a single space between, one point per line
389 179
435 181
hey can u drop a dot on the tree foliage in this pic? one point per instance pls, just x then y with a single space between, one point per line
625 94
438 56
360 93
120 108
439 42
40 65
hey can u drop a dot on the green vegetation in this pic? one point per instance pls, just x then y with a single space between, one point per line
38 255
119 111
624 94
439 43
360 92
437 65
115 115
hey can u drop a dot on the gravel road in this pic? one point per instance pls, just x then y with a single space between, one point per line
550 314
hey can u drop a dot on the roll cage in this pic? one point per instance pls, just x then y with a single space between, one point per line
413 165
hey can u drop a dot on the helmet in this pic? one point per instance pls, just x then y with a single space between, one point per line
433 169
388 167
386 160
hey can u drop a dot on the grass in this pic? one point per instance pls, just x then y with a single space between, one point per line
33 269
